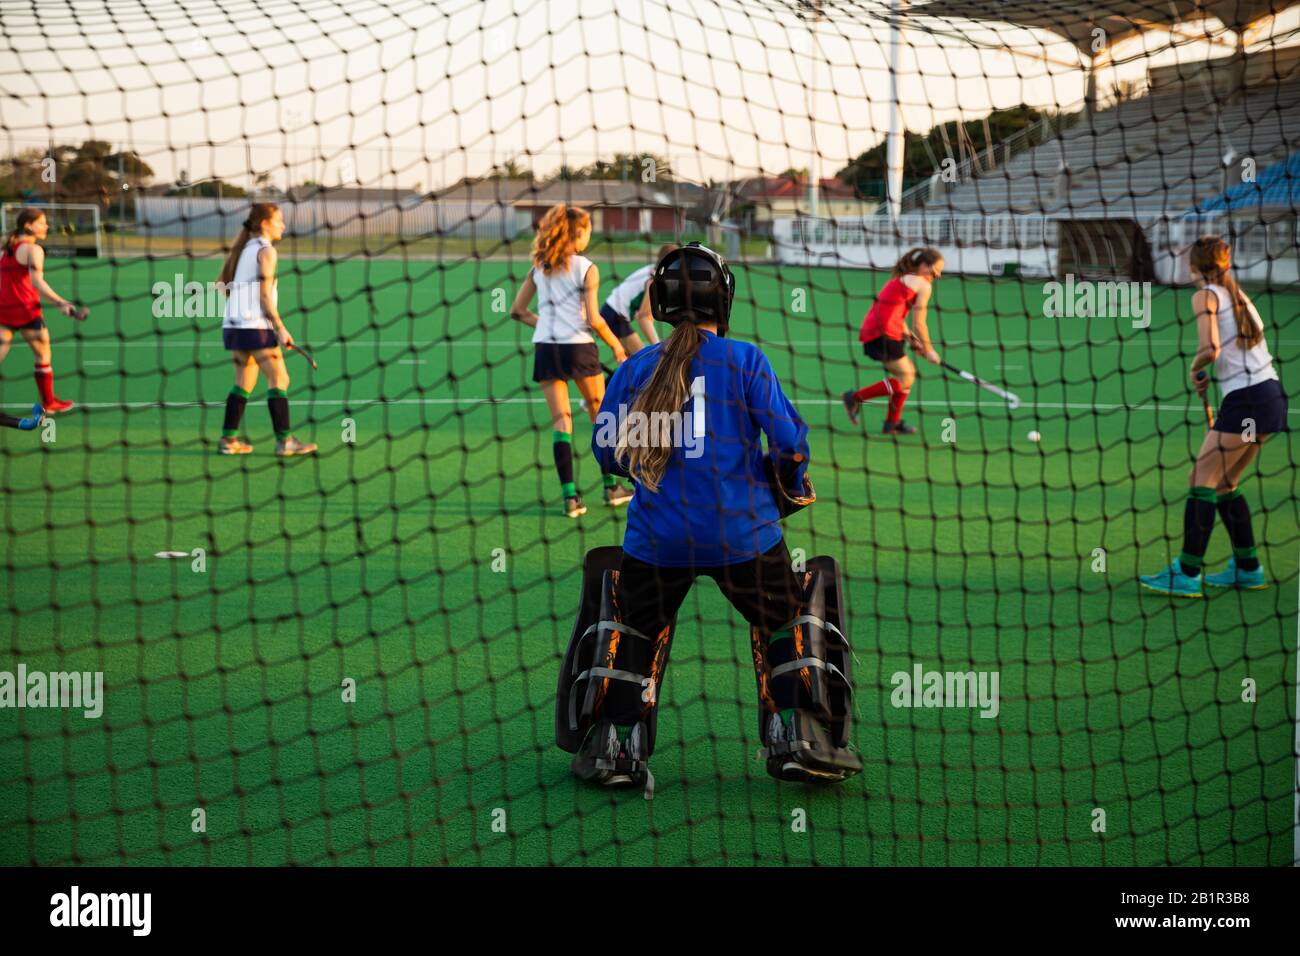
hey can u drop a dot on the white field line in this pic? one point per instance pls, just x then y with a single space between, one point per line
1056 345
576 402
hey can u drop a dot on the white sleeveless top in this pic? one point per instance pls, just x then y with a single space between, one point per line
561 303
244 297
626 298
1238 367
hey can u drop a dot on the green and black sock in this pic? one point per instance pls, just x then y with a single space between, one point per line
235 403
609 480
1198 525
277 400
562 446
1235 513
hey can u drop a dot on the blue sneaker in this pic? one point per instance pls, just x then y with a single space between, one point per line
30 423
1172 581
1234 577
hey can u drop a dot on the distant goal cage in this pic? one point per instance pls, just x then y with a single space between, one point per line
75 230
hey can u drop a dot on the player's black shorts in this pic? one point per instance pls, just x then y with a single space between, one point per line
764 589
562 360
35 325
248 340
884 349
618 324
1264 404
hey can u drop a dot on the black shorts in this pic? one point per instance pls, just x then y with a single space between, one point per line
564 361
618 324
248 340
764 589
884 349
1263 404
35 325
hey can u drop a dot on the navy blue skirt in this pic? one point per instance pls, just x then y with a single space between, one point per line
1264 404
618 324
564 361
248 340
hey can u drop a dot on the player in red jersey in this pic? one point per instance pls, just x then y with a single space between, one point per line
885 327
22 283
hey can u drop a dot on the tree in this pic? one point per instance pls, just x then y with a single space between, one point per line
922 154
510 169
626 167
85 173
20 174
133 170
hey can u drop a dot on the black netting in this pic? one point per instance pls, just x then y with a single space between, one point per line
351 655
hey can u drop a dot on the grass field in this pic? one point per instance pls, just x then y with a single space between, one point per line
374 562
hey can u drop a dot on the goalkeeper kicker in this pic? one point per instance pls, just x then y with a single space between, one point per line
708 501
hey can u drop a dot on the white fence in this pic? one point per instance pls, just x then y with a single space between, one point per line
982 245
1263 251
210 218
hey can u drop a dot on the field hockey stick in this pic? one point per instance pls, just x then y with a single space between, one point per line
304 353
1201 376
1010 398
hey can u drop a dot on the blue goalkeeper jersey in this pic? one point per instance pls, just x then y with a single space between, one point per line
714 505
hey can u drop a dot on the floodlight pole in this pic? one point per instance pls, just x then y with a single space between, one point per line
894 144
814 165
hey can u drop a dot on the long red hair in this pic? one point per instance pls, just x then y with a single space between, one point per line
557 236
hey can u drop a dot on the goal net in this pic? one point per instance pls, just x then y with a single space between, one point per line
352 656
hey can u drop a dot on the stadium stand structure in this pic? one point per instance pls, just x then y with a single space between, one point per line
1114 181
1112 191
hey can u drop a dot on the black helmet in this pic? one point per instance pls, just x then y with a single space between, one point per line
692 280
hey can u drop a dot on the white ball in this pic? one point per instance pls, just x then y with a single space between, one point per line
1034 436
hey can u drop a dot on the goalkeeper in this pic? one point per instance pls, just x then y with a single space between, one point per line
703 506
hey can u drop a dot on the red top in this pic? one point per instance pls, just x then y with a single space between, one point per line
888 315
19 301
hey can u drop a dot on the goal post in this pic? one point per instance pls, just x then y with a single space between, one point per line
74 227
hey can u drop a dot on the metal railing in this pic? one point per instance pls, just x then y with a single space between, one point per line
1036 134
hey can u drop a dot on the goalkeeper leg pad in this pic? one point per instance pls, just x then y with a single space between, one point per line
603 650
805 686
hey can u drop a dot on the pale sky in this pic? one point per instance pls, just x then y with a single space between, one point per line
407 92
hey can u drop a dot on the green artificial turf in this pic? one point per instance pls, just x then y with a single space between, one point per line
374 562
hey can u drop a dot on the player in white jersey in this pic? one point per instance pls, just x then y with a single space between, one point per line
631 300
565 283
253 333
1231 338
